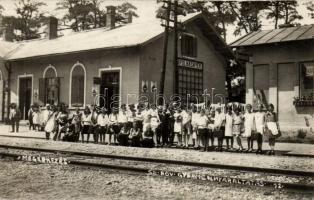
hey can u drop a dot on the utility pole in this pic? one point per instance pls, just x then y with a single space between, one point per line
175 38
165 51
172 8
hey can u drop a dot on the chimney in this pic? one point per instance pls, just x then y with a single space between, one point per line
111 17
8 34
129 18
52 31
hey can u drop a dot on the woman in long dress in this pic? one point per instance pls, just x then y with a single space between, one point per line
50 126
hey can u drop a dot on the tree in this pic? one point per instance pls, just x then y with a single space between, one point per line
274 12
98 15
125 9
283 10
1 9
78 15
87 14
310 7
222 16
28 21
218 13
249 15
290 12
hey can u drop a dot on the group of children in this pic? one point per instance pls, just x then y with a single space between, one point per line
149 126
37 117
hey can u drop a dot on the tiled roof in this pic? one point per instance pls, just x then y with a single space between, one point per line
126 36
6 47
276 35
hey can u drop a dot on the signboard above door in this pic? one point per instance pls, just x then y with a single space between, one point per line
182 62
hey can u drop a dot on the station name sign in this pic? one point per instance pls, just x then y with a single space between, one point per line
190 64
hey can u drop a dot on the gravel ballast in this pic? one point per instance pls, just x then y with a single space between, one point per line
21 180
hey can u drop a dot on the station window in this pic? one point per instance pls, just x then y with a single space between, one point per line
307 79
77 86
190 82
49 87
189 45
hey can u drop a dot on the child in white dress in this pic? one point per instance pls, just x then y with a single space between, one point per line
260 125
237 127
229 128
219 124
113 126
102 123
86 124
202 124
249 126
36 121
195 138
177 129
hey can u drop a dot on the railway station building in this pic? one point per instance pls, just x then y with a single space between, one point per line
81 68
281 72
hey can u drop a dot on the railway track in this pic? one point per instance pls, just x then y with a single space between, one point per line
286 154
161 167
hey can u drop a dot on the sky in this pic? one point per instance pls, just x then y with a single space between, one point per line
146 10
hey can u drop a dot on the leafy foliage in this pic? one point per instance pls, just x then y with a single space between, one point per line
310 7
88 14
125 9
248 14
79 14
28 20
290 12
218 12
286 11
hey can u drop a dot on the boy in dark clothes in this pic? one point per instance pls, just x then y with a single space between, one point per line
165 125
123 136
135 135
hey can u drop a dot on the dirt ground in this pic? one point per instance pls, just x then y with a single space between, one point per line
21 180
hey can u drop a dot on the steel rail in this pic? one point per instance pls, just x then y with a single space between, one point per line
282 154
166 161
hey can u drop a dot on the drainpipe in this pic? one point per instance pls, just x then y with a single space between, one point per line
9 71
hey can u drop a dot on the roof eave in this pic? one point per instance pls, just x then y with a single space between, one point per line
273 43
72 52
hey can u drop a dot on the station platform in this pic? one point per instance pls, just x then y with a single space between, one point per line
293 149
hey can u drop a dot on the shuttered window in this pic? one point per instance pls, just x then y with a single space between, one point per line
188 45
42 90
49 89
77 86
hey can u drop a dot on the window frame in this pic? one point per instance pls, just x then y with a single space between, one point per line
190 81
301 81
195 48
77 64
46 87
